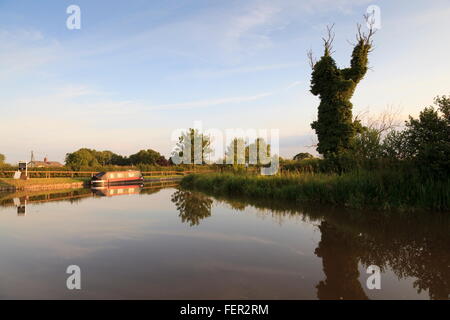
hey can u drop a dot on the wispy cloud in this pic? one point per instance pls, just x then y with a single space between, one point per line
246 28
23 50
225 72
211 102
221 101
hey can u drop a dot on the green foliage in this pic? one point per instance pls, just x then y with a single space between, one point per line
192 147
256 153
236 152
2 159
429 138
193 206
302 166
334 127
423 147
88 158
82 158
382 189
147 157
367 145
425 141
395 146
303 155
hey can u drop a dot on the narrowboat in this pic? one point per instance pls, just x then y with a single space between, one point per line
117 190
116 178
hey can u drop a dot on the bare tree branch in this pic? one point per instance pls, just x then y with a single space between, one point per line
366 38
328 40
385 121
311 58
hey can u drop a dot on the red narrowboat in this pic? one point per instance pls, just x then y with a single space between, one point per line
115 178
118 190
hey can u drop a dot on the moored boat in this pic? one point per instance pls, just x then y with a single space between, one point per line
114 178
117 190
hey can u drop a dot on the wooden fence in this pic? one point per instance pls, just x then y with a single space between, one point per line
90 174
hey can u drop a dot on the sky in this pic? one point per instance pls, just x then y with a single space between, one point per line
137 70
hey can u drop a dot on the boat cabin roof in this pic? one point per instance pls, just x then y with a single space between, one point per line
119 174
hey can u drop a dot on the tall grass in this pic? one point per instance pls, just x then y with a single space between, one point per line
386 190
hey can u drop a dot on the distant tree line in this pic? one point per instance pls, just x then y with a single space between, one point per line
92 158
193 147
239 152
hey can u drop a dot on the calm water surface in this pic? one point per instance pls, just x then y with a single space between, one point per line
168 243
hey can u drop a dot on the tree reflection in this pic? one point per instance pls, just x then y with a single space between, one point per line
408 250
193 206
421 254
339 253
411 245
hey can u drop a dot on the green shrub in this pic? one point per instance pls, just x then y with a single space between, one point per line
382 189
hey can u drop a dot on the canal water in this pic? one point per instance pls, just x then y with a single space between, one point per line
168 243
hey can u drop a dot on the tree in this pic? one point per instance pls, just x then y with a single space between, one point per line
425 141
429 138
162 161
81 158
303 155
192 147
146 157
2 158
335 127
367 144
118 160
258 152
103 157
92 158
235 153
395 146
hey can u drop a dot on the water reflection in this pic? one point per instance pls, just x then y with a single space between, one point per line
21 205
411 245
192 206
262 253
339 256
117 190
21 199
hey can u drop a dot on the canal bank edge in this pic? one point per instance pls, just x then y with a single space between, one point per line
73 185
35 187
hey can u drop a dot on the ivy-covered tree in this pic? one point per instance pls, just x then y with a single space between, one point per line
335 127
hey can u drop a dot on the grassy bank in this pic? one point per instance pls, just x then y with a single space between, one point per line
38 182
385 190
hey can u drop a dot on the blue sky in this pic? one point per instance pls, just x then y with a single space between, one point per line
137 70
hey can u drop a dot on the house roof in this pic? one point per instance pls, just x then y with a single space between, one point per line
45 164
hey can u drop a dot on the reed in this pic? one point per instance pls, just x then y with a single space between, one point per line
385 190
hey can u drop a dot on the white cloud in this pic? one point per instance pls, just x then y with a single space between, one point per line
23 50
224 72
220 101
244 31
211 102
